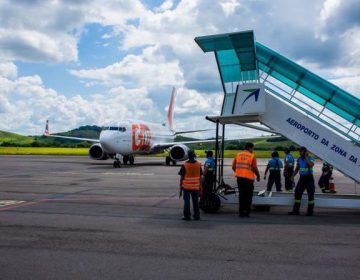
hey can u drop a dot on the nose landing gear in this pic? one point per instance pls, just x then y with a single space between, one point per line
116 164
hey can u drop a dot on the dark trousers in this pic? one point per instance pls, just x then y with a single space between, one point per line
288 180
324 181
195 201
207 185
274 177
306 182
246 189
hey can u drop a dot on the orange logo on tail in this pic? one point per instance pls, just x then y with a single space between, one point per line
141 137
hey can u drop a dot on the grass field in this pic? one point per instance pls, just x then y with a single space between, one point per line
84 152
43 151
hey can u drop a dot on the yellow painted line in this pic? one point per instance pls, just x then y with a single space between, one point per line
4 203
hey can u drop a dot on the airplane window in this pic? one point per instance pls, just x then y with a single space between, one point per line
114 128
122 129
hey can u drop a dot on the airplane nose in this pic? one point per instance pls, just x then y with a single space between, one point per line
107 141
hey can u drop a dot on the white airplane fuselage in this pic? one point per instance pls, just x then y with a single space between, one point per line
134 137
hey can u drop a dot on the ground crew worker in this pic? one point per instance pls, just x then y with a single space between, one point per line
245 167
274 166
324 181
209 168
288 170
190 183
304 166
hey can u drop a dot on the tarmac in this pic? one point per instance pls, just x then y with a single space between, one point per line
74 218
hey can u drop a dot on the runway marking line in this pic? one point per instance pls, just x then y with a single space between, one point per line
4 203
10 204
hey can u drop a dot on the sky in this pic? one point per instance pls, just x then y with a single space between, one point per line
90 62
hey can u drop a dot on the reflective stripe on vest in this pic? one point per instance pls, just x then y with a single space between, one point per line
303 167
192 176
244 165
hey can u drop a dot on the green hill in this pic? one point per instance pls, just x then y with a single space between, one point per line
8 139
266 144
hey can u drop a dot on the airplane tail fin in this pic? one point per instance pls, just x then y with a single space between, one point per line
47 130
171 109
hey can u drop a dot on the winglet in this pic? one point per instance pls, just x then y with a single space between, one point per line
171 109
47 130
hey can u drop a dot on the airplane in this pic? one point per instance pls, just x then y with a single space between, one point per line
127 138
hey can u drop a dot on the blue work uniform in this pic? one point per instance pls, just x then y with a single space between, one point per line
305 182
209 176
289 171
290 160
275 165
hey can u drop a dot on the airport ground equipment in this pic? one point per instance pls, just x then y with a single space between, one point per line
267 91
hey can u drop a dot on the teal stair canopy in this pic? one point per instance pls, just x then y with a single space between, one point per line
312 86
239 59
235 55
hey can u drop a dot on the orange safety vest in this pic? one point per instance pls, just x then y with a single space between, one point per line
244 168
192 176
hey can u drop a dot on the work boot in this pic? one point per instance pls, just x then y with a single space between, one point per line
310 210
296 209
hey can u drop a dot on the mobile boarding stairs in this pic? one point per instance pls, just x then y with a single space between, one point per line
263 87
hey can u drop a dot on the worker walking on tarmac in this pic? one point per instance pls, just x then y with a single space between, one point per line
304 166
274 166
288 170
190 185
324 180
209 168
245 167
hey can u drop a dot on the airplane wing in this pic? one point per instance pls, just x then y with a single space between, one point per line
73 138
170 144
47 134
192 131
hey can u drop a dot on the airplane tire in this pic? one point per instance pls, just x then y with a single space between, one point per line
116 164
211 203
131 160
173 162
167 160
125 160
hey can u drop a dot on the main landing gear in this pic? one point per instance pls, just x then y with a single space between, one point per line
125 159
168 160
128 159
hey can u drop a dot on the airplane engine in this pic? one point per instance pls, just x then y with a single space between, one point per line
97 152
179 152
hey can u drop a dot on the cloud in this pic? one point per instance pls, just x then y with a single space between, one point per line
146 70
50 30
8 70
26 104
336 17
230 6
156 51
